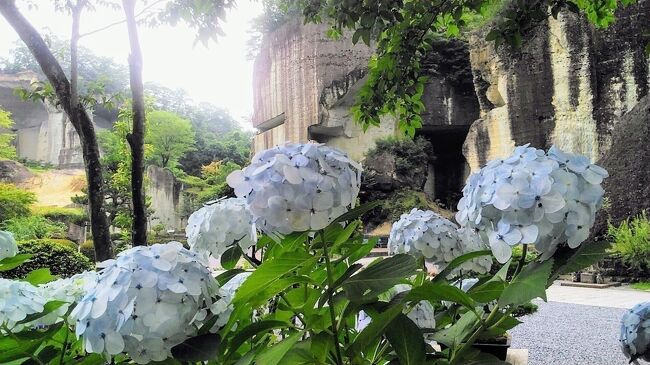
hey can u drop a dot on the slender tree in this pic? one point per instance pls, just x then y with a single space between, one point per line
79 118
136 137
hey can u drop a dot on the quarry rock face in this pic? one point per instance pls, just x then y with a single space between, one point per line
43 131
166 198
627 189
568 85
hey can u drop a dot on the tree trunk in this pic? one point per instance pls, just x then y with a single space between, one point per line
136 137
79 119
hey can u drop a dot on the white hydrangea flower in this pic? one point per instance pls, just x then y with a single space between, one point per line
533 197
297 187
223 306
8 246
428 234
635 332
146 301
70 290
18 299
219 226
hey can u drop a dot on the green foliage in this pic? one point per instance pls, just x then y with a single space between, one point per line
59 214
14 202
170 137
632 241
87 248
645 286
34 227
7 149
60 259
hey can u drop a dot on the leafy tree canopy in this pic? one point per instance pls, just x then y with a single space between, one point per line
170 137
7 149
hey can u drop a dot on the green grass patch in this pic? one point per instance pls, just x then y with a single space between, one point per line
60 214
644 285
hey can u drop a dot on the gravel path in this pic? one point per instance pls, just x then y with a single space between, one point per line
570 334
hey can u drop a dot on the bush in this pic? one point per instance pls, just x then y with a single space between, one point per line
34 227
60 259
14 202
64 215
88 249
631 241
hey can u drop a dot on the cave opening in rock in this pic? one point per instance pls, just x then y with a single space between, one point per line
448 168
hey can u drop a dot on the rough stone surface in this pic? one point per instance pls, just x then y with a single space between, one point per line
309 82
628 187
166 198
13 172
43 132
568 85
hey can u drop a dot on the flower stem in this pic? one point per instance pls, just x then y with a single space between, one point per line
522 260
330 300
457 357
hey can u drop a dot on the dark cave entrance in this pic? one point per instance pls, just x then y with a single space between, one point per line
448 169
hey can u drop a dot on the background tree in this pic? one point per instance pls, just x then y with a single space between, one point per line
79 118
170 137
136 136
7 149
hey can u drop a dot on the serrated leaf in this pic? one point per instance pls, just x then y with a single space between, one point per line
379 277
374 329
253 330
9 263
459 261
455 334
406 339
436 292
230 258
274 354
270 272
200 348
529 284
576 260
488 291
357 212
226 276
39 276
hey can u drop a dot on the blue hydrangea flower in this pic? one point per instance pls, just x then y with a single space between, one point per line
17 300
297 187
146 301
533 197
635 332
219 226
8 246
428 234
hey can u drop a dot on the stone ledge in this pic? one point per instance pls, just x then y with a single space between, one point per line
590 285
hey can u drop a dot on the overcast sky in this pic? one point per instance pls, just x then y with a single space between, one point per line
219 74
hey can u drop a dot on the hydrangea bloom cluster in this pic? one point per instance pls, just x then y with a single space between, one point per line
8 246
533 197
70 290
635 332
219 226
146 301
437 239
17 300
222 307
297 187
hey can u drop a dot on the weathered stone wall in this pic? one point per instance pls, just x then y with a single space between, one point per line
166 198
43 132
568 85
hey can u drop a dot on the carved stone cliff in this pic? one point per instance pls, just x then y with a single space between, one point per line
568 85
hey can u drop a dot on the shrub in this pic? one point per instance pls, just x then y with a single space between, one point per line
34 227
631 241
14 202
64 215
60 259
87 249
